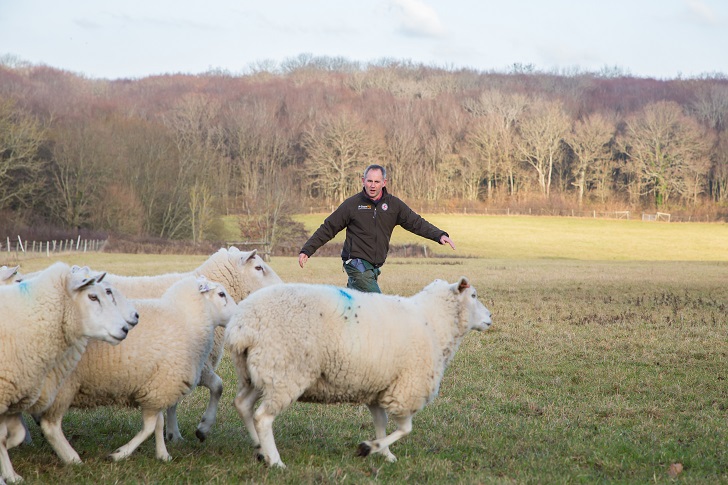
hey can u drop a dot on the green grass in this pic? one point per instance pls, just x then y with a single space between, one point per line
596 370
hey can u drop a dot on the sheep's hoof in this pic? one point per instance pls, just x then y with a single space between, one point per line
200 435
174 437
364 449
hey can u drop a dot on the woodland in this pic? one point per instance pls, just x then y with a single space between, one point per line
170 156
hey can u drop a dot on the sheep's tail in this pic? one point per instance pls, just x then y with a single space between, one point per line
239 340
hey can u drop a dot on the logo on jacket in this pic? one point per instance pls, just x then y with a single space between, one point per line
364 207
385 206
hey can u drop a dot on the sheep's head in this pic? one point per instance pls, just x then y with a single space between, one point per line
476 315
219 302
98 315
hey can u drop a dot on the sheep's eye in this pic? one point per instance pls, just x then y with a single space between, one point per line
93 297
259 268
221 294
108 291
475 296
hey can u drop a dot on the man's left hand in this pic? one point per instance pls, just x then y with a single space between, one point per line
446 240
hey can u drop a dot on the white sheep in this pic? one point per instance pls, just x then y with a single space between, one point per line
157 365
326 344
7 274
242 272
47 324
52 381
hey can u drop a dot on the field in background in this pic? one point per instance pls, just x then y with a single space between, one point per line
596 369
524 237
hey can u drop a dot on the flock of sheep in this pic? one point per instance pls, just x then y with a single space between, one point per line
73 337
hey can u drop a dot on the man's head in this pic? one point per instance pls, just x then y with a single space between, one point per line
374 180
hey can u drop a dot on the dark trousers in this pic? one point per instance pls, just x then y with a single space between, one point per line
363 281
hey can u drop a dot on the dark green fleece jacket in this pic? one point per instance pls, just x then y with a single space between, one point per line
369 227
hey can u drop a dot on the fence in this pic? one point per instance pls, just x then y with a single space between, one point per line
48 247
659 216
253 245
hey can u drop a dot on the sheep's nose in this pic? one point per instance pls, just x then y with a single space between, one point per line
134 319
125 329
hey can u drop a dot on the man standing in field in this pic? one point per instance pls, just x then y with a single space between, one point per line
369 218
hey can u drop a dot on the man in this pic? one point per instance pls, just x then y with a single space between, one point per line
369 218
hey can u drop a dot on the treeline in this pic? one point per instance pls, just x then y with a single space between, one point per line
166 156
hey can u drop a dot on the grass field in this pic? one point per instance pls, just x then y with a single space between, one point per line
604 369
522 237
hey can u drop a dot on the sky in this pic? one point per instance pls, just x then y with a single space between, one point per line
131 39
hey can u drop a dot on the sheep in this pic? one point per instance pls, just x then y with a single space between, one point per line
50 384
7 274
159 363
48 321
242 272
325 344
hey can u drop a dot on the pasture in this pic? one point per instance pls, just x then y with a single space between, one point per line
607 362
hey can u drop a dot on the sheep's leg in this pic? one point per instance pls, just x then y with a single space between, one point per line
153 424
264 428
16 430
173 433
27 439
244 402
53 432
6 468
160 447
404 426
380 429
212 381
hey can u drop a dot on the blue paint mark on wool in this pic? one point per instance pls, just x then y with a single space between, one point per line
346 295
347 312
24 288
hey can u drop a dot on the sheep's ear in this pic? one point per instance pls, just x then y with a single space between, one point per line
249 256
79 281
99 277
462 284
203 285
7 273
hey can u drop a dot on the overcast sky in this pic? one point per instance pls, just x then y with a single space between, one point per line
113 39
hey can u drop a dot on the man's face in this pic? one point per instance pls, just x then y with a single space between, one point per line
373 183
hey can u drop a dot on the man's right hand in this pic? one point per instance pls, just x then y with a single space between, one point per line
302 258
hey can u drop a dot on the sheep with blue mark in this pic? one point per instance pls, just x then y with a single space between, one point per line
48 322
324 344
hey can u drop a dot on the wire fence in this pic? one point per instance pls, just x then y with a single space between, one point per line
55 246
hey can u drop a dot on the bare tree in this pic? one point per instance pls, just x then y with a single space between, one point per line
493 136
665 149
337 150
589 140
21 137
542 129
403 151
78 173
202 172
711 106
